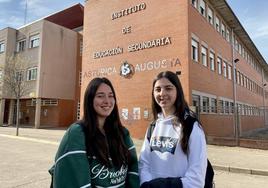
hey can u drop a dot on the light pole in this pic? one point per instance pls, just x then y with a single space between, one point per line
263 98
235 117
25 12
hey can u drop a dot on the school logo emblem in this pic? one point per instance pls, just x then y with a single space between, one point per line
127 70
164 144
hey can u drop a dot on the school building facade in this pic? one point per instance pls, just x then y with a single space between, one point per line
222 72
51 53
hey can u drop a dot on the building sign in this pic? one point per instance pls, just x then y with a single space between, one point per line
128 11
109 52
127 70
149 44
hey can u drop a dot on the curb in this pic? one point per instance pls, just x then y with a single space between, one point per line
241 170
30 139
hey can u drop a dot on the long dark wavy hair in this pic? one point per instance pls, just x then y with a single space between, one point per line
181 106
96 144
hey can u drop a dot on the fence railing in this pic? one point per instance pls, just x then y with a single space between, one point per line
230 125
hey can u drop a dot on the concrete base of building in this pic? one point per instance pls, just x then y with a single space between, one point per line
242 142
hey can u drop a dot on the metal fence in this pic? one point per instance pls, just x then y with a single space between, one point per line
240 125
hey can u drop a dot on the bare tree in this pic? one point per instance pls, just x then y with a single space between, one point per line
15 86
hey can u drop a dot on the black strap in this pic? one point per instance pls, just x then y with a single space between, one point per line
150 130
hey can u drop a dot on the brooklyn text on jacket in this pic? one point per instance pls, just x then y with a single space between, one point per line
128 11
109 52
103 172
149 44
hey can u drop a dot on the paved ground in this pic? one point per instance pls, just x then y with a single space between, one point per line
26 159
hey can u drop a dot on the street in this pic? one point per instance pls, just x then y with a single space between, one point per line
25 161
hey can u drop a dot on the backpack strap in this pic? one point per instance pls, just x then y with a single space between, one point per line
150 130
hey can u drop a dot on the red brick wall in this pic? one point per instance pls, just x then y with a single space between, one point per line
158 20
207 81
174 19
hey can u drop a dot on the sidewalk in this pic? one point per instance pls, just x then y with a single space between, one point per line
232 159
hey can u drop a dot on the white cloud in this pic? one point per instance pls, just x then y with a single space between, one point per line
261 32
16 21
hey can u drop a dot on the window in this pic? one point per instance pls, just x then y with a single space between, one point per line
243 52
1 76
34 41
229 72
228 35
223 30
221 106
194 3
81 47
49 102
217 24
31 74
246 82
224 69
205 104
19 76
202 8
232 107
236 45
210 16
219 65
241 79
78 111
21 45
239 49
80 78
238 77
196 102
2 47
213 105
226 107
212 61
194 50
204 56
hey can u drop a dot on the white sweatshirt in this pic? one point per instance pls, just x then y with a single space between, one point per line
163 156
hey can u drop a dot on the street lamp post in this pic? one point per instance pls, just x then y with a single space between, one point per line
263 98
235 117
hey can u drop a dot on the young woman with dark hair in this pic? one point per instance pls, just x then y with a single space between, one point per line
175 154
98 150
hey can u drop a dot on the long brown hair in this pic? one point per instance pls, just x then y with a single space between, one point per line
181 106
114 131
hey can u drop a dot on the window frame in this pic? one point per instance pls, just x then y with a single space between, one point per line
212 63
31 74
210 16
34 41
219 65
202 8
194 3
217 23
204 52
20 48
194 50
2 46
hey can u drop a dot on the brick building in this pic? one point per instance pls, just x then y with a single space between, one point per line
201 40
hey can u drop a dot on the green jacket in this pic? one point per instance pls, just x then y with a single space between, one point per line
74 169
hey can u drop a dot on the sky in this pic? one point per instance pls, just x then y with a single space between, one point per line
252 14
